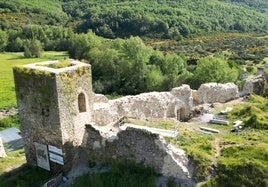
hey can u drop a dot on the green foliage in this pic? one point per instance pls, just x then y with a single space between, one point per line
166 19
216 69
18 13
201 153
10 121
3 40
238 165
32 48
120 174
127 66
60 64
155 19
253 113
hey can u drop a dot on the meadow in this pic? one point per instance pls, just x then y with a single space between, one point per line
9 60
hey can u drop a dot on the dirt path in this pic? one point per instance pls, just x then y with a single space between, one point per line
9 112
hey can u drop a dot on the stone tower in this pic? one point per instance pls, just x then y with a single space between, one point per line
55 101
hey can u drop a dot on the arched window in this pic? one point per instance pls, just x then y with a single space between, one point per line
82 102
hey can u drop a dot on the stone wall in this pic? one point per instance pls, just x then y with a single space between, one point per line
2 149
257 85
38 109
54 105
153 105
216 92
139 146
184 93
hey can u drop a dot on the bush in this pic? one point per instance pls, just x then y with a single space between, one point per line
32 48
11 121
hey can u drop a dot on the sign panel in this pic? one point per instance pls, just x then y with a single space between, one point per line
55 154
56 158
54 149
42 156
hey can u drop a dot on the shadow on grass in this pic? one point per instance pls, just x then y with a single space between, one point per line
25 176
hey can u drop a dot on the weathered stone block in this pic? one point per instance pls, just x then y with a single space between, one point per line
216 92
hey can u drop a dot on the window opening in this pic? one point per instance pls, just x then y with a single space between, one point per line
82 103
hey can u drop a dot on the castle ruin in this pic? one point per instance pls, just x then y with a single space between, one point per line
62 120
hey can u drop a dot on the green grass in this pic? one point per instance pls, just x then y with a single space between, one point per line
127 174
13 160
9 60
25 176
14 172
199 148
60 64
161 124
254 113
10 121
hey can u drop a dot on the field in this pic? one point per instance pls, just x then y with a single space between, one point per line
9 60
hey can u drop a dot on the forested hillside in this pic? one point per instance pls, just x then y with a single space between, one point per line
117 18
197 31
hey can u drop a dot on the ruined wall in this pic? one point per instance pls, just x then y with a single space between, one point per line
153 105
257 85
2 149
184 93
139 146
216 92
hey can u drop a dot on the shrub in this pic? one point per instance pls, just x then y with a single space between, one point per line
32 48
11 121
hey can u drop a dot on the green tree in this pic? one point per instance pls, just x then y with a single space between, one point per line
32 48
3 40
215 69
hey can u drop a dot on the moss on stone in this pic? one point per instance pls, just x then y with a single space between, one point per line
60 64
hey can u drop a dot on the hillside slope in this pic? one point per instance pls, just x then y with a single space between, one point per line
16 13
162 19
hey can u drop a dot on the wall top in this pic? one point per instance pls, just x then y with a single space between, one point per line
57 66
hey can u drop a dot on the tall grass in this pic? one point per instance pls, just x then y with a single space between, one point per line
10 121
122 174
9 60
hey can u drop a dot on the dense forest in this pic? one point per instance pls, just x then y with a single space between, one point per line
156 19
178 34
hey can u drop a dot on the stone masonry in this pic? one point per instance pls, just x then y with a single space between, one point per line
54 105
153 105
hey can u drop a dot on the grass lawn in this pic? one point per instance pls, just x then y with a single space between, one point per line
14 172
9 60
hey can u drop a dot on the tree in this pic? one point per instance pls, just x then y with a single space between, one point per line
216 69
32 48
3 40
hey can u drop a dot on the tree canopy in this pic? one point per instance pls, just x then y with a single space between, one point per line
216 69
150 18
127 66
